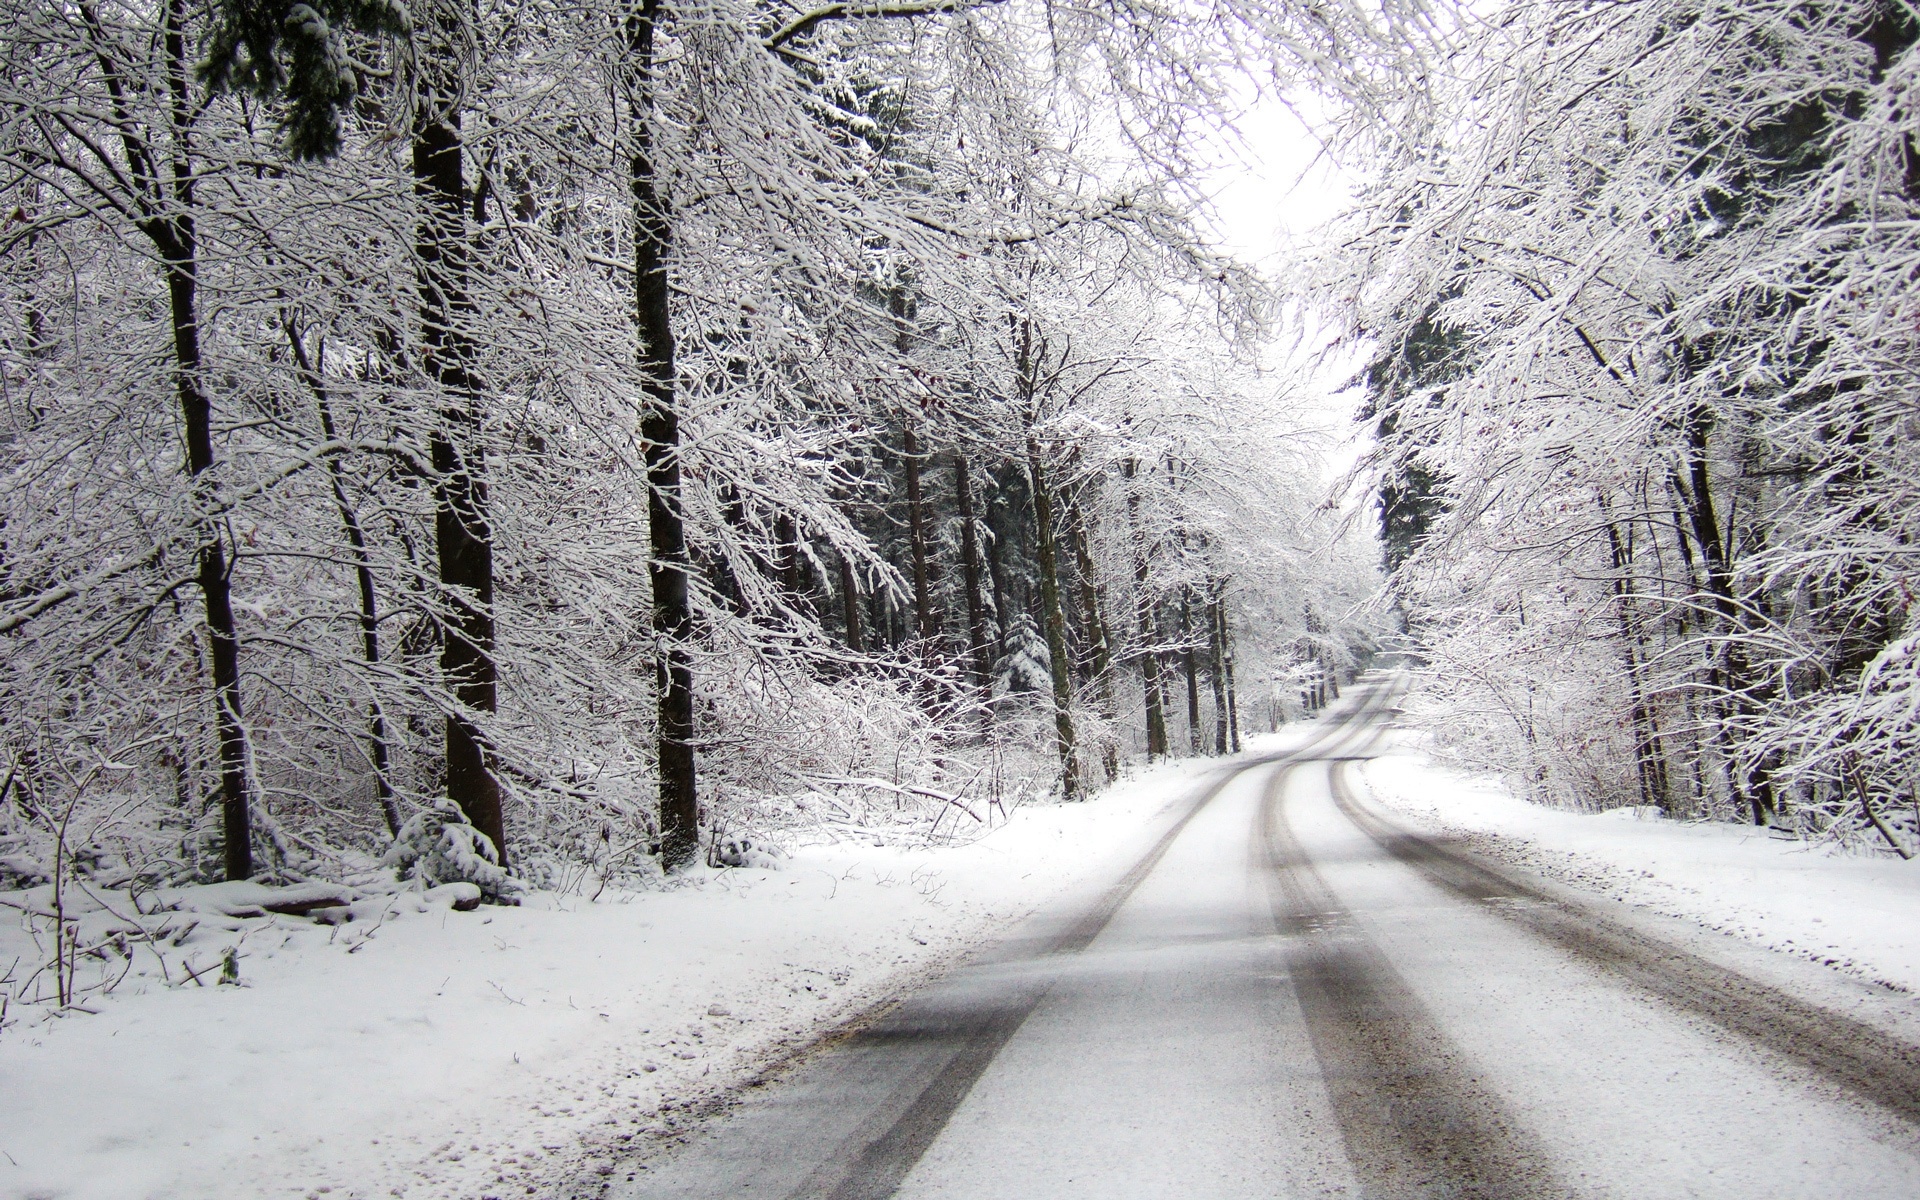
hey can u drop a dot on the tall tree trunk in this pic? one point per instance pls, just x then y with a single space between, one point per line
1053 614
1097 640
980 649
1147 648
1055 618
924 624
901 307
177 240
377 746
1192 670
791 564
1649 754
1226 669
1216 668
850 604
463 536
660 441
1730 664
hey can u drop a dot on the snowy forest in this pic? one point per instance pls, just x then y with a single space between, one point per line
601 599
1642 322
539 445
531 444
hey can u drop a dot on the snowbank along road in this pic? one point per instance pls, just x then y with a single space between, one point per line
1289 994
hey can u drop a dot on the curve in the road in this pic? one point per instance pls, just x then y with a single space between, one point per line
887 1147
1863 1061
1404 1083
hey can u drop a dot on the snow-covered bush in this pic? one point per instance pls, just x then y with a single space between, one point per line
438 845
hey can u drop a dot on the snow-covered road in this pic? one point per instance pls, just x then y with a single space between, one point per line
1290 994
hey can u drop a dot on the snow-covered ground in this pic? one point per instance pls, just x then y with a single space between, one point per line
502 1051
1854 912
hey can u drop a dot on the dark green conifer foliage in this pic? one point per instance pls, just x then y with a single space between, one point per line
1412 495
297 53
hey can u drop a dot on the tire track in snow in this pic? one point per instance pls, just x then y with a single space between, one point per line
871 1164
1862 1061
1415 1121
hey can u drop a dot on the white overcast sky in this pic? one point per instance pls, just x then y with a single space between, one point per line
1274 185
1272 190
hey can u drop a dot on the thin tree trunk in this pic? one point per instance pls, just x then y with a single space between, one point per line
1226 670
1216 668
660 440
718 566
176 239
1002 592
1648 751
980 652
1192 670
924 623
1053 614
1055 617
900 307
1153 697
464 539
377 748
1730 663
1147 648
792 585
880 619
850 602
1097 640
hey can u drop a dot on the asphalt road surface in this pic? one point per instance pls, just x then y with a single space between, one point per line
1290 994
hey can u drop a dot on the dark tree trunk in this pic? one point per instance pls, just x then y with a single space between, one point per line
1002 592
463 535
718 566
1316 694
1649 753
1217 669
1055 618
1097 641
901 307
792 565
215 583
1052 613
660 440
1147 648
1192 670
980 649
1226 670
850 603
1730 665
924 624
176 239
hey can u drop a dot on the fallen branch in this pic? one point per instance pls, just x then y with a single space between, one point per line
1866 807
903 790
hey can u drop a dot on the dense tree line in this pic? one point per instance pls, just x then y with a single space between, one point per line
1642 327
594 426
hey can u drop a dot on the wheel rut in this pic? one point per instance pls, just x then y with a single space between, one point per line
959 1044
1415 1121
1863 1062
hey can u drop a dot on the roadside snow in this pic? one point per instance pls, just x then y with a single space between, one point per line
1847 911
426 1053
